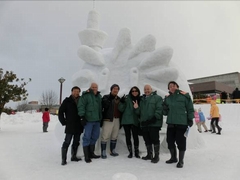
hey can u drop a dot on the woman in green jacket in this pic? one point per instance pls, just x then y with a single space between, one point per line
178 108
130 120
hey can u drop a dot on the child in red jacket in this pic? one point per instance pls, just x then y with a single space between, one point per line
46 119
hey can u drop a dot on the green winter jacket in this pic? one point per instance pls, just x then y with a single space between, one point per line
128 114
178 108
149 107
90 106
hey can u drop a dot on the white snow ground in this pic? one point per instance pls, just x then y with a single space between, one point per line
28 154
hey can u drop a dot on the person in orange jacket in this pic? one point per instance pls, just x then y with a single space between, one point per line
214 113
46 119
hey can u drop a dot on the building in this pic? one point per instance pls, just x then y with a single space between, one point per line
230 79
214 85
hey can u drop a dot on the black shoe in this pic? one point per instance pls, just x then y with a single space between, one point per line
181 157
74 158
86 154
136 152
173 158
218 133
112 148
206 131
155 159
92 155
64 155
220 129
149 155
179 165
130 155
130 151
74 154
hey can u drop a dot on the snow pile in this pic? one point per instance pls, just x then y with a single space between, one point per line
37 155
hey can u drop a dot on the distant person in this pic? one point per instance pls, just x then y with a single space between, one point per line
111 121
214 113
209 98
224 97
236 96
90 112
151 119
197 120
68 117
45 119
202 120
130 121
178 107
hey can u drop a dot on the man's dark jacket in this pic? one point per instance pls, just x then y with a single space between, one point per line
68 115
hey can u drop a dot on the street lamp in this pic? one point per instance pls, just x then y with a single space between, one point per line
61 80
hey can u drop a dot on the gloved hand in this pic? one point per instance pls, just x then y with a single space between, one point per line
165 107
83 120
63 123
149 121
122 100
190 122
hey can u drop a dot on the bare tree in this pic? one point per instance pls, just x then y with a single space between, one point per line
49 98
23 106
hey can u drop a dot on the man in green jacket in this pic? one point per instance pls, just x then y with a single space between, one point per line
151 118
90 112
178 108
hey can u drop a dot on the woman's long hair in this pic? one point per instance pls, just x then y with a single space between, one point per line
134 98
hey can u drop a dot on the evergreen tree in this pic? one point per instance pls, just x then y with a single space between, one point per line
11 88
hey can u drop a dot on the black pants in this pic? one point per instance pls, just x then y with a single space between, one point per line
214 121
68 138
131 129
175 134
151 135
45 126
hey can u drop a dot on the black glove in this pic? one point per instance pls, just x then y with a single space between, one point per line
122 100
149 121
144 123
83 121
63 123
190 122
165 107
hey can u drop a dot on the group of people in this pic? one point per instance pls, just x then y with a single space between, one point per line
214 117
90 112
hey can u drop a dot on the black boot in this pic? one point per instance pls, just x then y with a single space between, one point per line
74 154
112 148
149 153
103 150
173 158
86 154
130 151
181 157
136 152
219 130
213 129
156 154
64 155
92 149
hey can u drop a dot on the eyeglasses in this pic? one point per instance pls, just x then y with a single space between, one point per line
134 91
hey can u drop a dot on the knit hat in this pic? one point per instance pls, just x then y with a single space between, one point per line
113 86
173 82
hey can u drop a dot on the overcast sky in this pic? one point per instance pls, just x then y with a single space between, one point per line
40 39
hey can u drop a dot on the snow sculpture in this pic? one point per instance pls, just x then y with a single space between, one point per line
125 64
